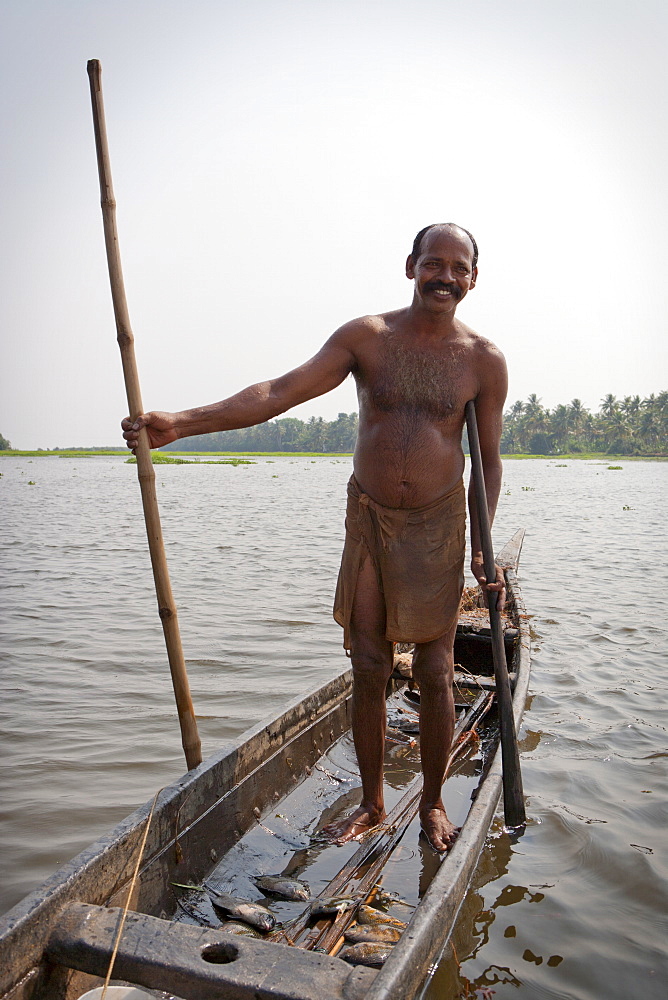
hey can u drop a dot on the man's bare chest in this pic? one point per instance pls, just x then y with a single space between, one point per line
401 378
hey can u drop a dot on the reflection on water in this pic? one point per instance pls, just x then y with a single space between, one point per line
574 908
479 921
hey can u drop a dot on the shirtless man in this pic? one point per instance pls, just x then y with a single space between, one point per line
415 369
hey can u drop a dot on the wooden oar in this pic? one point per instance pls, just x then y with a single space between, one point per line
513 796
166 606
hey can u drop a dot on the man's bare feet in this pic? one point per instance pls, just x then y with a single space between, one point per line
437 828
355 825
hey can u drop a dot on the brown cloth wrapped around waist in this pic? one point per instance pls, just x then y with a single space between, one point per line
418 555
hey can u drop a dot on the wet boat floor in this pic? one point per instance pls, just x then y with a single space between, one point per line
287 839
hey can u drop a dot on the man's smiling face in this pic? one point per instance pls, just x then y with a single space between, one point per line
444 270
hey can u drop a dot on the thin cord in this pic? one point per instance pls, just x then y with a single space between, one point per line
127 901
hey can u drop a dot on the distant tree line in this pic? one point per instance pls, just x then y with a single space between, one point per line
628 426
284 434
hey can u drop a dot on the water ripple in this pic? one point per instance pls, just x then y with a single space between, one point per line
572 909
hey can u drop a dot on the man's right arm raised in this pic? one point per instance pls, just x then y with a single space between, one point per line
257 403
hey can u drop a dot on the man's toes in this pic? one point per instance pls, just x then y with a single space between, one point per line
440 840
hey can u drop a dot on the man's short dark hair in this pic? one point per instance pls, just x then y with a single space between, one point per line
417 242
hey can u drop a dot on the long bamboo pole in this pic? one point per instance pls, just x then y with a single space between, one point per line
166 606
513 795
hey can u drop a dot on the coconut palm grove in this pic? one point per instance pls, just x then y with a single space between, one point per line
628 426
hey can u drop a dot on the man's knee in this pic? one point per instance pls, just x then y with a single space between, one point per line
371 663
433 663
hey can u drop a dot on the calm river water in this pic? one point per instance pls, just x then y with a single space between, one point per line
575 908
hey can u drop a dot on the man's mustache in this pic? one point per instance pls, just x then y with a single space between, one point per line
443 286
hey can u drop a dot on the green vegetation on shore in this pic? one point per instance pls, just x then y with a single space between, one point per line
159 458
62 452
272 454
628 428
287 434
176 458
591 456
622 427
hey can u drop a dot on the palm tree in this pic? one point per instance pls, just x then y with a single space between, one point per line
631 406
608 405
560 426
512 438
577 413
649 430
621 433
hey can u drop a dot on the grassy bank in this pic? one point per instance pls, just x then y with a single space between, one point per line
264 454
166 457
159 458
93 452
62 453
596 456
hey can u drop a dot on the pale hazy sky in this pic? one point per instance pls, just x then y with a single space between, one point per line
272 162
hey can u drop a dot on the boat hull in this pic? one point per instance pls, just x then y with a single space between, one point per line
55 944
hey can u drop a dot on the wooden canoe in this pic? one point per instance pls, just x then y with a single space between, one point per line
256 808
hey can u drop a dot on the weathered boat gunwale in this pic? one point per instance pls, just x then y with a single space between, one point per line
99 874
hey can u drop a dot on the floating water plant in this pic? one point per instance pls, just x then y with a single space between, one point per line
226 461
158 458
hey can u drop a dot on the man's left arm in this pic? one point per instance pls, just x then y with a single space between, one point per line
493 387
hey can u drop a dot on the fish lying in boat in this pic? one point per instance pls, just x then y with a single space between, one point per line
365 953
380 933
330 907
243 930
370 915
391 899
241 909
283 887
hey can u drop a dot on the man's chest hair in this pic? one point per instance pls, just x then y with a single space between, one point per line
420 380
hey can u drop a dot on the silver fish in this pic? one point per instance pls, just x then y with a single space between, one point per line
379 933
365 953
243 930
241 909
370 915
283 887
391 899
330 907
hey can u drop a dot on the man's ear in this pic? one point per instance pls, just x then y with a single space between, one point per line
410 270
474 278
